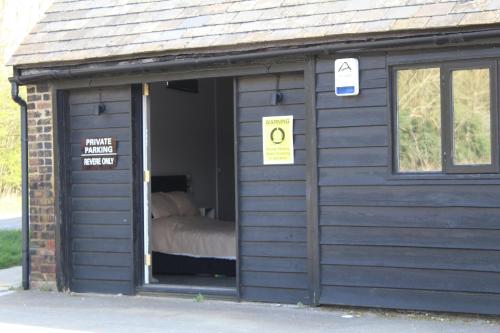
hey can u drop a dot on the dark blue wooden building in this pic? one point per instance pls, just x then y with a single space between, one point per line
392 198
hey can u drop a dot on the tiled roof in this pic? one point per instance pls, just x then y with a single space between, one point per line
78 30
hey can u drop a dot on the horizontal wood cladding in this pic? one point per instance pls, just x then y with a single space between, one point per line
427 243
101 200
412 217
269 82
433 300
107 95
263 98
272 206
285 249
100 286
89 109
101 259
108 217
253 114
274 234
101 231
273 264
403 195
411 257
352 117
409 278
353 157
285 219
104 121
344 137
420 237
275 280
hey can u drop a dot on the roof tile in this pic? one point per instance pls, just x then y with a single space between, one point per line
435 9
480 17
410 23
81 30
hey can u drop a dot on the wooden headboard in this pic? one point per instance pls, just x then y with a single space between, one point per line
171 183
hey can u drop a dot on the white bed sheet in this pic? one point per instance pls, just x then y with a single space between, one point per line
195 236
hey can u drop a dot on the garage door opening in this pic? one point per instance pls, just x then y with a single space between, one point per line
189 226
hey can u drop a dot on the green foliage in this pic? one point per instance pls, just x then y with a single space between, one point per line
46 287
199 298
10 248
10 145
419 118
471 123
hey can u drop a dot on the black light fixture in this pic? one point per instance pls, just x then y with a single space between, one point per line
277 95
101 107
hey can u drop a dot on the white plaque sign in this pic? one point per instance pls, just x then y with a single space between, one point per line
346 77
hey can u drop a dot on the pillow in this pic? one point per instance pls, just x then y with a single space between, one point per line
162 206
184 203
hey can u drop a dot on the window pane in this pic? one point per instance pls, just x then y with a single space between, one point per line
419 120
471 117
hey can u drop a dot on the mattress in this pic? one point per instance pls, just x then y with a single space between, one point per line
194 236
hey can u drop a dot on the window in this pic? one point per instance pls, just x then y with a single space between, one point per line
446 119
419 120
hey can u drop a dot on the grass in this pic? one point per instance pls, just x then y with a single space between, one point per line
10 248
199 298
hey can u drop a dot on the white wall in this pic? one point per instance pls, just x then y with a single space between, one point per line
183 137
185 131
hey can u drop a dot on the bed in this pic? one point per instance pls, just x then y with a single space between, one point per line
183 241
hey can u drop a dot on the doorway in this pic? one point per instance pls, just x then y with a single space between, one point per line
190 241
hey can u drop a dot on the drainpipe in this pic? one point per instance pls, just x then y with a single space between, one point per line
24 183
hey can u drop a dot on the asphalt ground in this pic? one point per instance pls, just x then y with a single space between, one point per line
41 312
10 223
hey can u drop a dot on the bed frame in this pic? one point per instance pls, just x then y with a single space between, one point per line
164 264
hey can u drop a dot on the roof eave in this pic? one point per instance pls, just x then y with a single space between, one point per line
408 39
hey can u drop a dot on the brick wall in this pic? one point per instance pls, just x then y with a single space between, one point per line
41 186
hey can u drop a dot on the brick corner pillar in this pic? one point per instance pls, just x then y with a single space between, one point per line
41 187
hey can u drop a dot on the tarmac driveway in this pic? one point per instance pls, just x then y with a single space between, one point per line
10 223
59 312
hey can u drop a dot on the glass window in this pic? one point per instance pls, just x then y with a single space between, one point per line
471 137
446 118
419 120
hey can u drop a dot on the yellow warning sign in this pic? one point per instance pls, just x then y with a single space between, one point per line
277 140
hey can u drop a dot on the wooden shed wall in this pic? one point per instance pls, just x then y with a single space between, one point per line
384 241
101 201
395 242
272 204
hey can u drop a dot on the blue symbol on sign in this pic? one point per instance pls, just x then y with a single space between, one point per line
345 90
